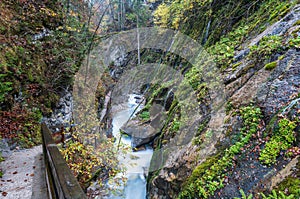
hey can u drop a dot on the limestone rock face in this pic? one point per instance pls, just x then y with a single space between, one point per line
250 82
283 82
63 112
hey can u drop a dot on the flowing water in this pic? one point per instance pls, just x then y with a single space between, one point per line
136 163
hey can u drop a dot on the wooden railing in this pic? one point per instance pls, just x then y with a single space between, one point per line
61 183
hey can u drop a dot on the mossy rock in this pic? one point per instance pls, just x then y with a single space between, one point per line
297 23
271 66
292 185
234 66
281 57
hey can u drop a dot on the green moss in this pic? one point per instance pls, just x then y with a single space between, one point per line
271 66
209 176
234 66
201 169
292 185
197 139
1 159
280 11
229 107
281 57
297 23
246 68
164 141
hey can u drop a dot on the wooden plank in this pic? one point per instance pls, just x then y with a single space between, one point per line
46 136
66 185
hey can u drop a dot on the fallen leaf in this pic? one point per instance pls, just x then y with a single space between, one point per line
32 174
4 193
15 172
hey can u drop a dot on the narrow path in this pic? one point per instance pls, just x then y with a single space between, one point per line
23 176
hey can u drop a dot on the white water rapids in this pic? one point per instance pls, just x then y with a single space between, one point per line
136 163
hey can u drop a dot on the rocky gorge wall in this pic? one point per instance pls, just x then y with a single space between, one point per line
262 83
254 144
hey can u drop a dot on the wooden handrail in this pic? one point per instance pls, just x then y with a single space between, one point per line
61 183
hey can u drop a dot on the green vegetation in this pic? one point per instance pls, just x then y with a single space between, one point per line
5 87
271 65
223 46
267 46
297 23
229 107
291 185
209 175
211 24
1 159
192 18
282 139
145 115
277 195
175 125
272 195
43 44
294 42
250 196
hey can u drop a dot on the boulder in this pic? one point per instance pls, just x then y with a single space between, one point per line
143 133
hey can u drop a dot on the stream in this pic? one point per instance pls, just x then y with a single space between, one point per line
136 163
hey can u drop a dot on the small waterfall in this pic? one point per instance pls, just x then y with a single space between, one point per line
207 31
292 103
169 94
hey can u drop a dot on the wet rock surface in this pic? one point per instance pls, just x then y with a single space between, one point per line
282 84
143 132
62 114
271 90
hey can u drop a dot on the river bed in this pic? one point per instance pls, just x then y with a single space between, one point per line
136 163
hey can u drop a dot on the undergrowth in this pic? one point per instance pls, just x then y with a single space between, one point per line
282 139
